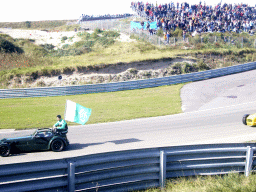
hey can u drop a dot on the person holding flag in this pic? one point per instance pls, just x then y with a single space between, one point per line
60 125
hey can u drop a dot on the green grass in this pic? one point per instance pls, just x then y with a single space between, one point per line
100 48
106 107
232 182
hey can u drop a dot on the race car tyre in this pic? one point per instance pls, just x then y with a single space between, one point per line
5 150
245 118
57 145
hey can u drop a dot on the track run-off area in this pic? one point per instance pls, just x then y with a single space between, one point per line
212 113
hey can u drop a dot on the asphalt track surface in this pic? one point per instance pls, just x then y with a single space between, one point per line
213 110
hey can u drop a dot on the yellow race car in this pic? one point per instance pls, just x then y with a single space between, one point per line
249 120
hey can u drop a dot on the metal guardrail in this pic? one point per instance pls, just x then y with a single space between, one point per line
125 85
127 170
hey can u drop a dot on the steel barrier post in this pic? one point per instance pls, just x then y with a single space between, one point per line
249 159
71 177
162 178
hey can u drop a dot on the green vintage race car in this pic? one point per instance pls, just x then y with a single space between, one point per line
41 139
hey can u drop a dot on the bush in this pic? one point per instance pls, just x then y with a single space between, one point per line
94 35
112 34
66 46
84 35
8 47
48 47
176 69
178 32
190 68
133 71
97 31
64 38
202 66
105 42
160 32
41 83
28 24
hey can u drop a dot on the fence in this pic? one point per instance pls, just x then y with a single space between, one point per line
127 170
125 85
107 24
239 42
116 24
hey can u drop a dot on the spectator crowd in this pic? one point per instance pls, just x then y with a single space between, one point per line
200 17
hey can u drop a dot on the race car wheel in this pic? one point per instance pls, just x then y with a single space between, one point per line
245 118
5 150
57 145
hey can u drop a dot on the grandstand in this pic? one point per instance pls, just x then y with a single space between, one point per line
200 17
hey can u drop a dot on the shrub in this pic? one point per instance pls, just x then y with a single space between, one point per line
106 41
94 35
203 66
113 34
66 46
8 47
190 68
83 35
176 69
28 24
64 38
178 32
48 47
133 71
41 83
97 31
160 32
45 72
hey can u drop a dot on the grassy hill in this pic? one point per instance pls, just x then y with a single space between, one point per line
23 58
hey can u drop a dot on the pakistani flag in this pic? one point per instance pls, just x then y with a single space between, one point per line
77 113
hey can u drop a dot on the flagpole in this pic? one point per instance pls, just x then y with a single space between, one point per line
65 109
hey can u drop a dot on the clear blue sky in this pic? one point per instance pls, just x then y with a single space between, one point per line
36 10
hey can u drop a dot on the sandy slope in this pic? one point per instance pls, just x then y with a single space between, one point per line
54 38
110 73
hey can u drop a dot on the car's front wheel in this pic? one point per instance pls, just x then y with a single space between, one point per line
57 145
245 118
5 150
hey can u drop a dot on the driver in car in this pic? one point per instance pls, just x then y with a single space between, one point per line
60 126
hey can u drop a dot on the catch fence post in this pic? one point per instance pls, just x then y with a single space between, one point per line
242 42
162 175
71 177
249 160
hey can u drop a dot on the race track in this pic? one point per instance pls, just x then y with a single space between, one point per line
213 110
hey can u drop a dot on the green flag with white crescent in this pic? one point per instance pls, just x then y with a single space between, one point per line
77 113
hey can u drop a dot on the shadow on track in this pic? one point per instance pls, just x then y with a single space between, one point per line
78 146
